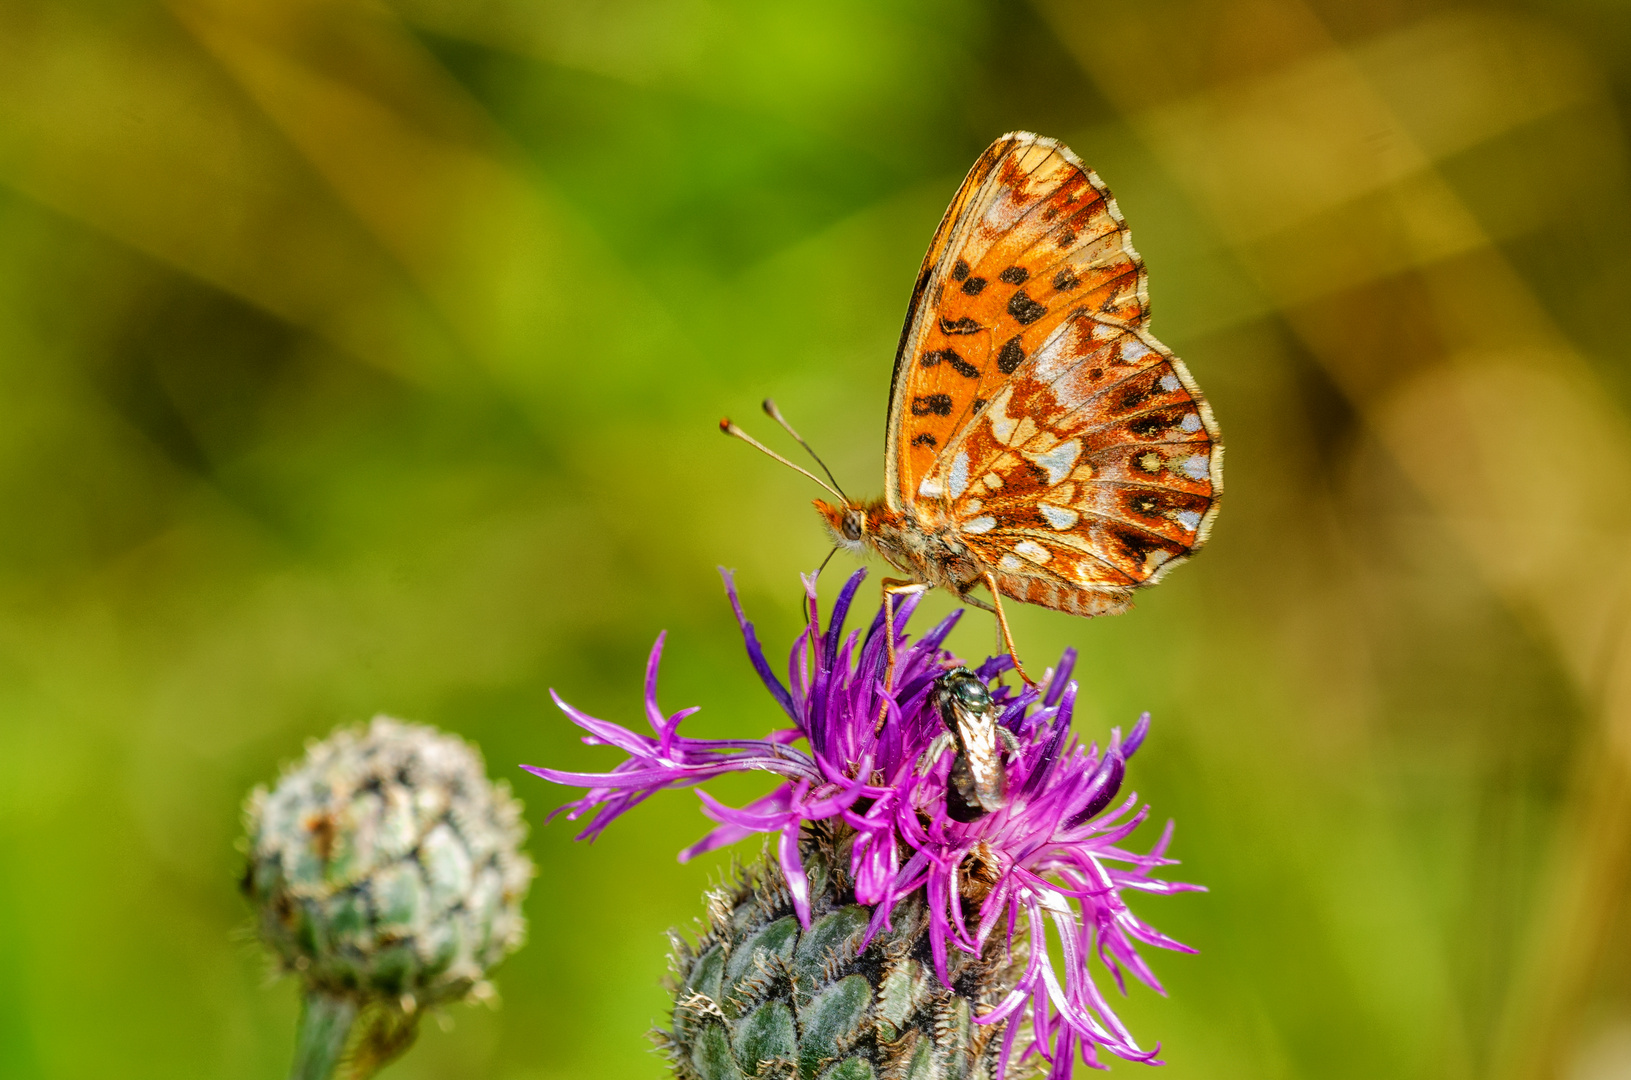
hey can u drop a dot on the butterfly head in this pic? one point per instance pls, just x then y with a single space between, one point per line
847 523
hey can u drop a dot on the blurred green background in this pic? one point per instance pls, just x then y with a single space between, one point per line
365 357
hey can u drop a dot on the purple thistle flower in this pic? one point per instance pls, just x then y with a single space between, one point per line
1050 856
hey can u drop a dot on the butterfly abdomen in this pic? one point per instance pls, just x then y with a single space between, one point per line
1102 600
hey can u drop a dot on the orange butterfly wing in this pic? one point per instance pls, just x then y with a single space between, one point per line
1069 448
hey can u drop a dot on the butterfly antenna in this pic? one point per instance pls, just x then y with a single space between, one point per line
731 429
776 415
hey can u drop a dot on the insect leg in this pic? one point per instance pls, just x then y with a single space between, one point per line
892 587
1007 634
970 598
942 743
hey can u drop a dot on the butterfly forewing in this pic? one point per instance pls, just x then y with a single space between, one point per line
1031 239
1072 449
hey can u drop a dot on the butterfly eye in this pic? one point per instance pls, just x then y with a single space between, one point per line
851 527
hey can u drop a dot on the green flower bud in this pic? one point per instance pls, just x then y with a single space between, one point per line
387 874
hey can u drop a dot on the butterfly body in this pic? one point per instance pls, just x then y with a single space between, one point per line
924 543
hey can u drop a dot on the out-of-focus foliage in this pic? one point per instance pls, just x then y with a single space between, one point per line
362 357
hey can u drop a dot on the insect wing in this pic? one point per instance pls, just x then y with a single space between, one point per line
1071 449
1030 236
977 740
910 393
1097 471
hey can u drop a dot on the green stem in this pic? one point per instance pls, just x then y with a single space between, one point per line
320 1041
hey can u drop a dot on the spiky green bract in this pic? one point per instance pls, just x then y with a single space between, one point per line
386 872
758 995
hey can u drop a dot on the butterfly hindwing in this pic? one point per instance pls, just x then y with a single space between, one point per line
1094 470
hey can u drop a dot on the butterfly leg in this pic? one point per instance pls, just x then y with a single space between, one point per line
892 587
1007 634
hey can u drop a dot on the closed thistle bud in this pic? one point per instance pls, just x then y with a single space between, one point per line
759 995
387 874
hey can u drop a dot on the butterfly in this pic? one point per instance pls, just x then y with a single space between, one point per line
978 782
1041 442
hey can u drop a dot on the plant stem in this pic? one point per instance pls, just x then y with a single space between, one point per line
320 1041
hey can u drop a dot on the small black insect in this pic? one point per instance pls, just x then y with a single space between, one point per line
978 782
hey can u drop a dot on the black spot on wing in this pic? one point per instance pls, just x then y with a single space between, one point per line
1024 309
1135 545
923 438
1134 396
965 325
1066 280
1032 518
1015 275
1066 239
959 270
1155 424
1010 356
931 405
961 366
974 286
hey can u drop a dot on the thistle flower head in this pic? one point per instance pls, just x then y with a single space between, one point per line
386 865
1050 855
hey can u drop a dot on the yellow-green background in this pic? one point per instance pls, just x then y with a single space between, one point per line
362 357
